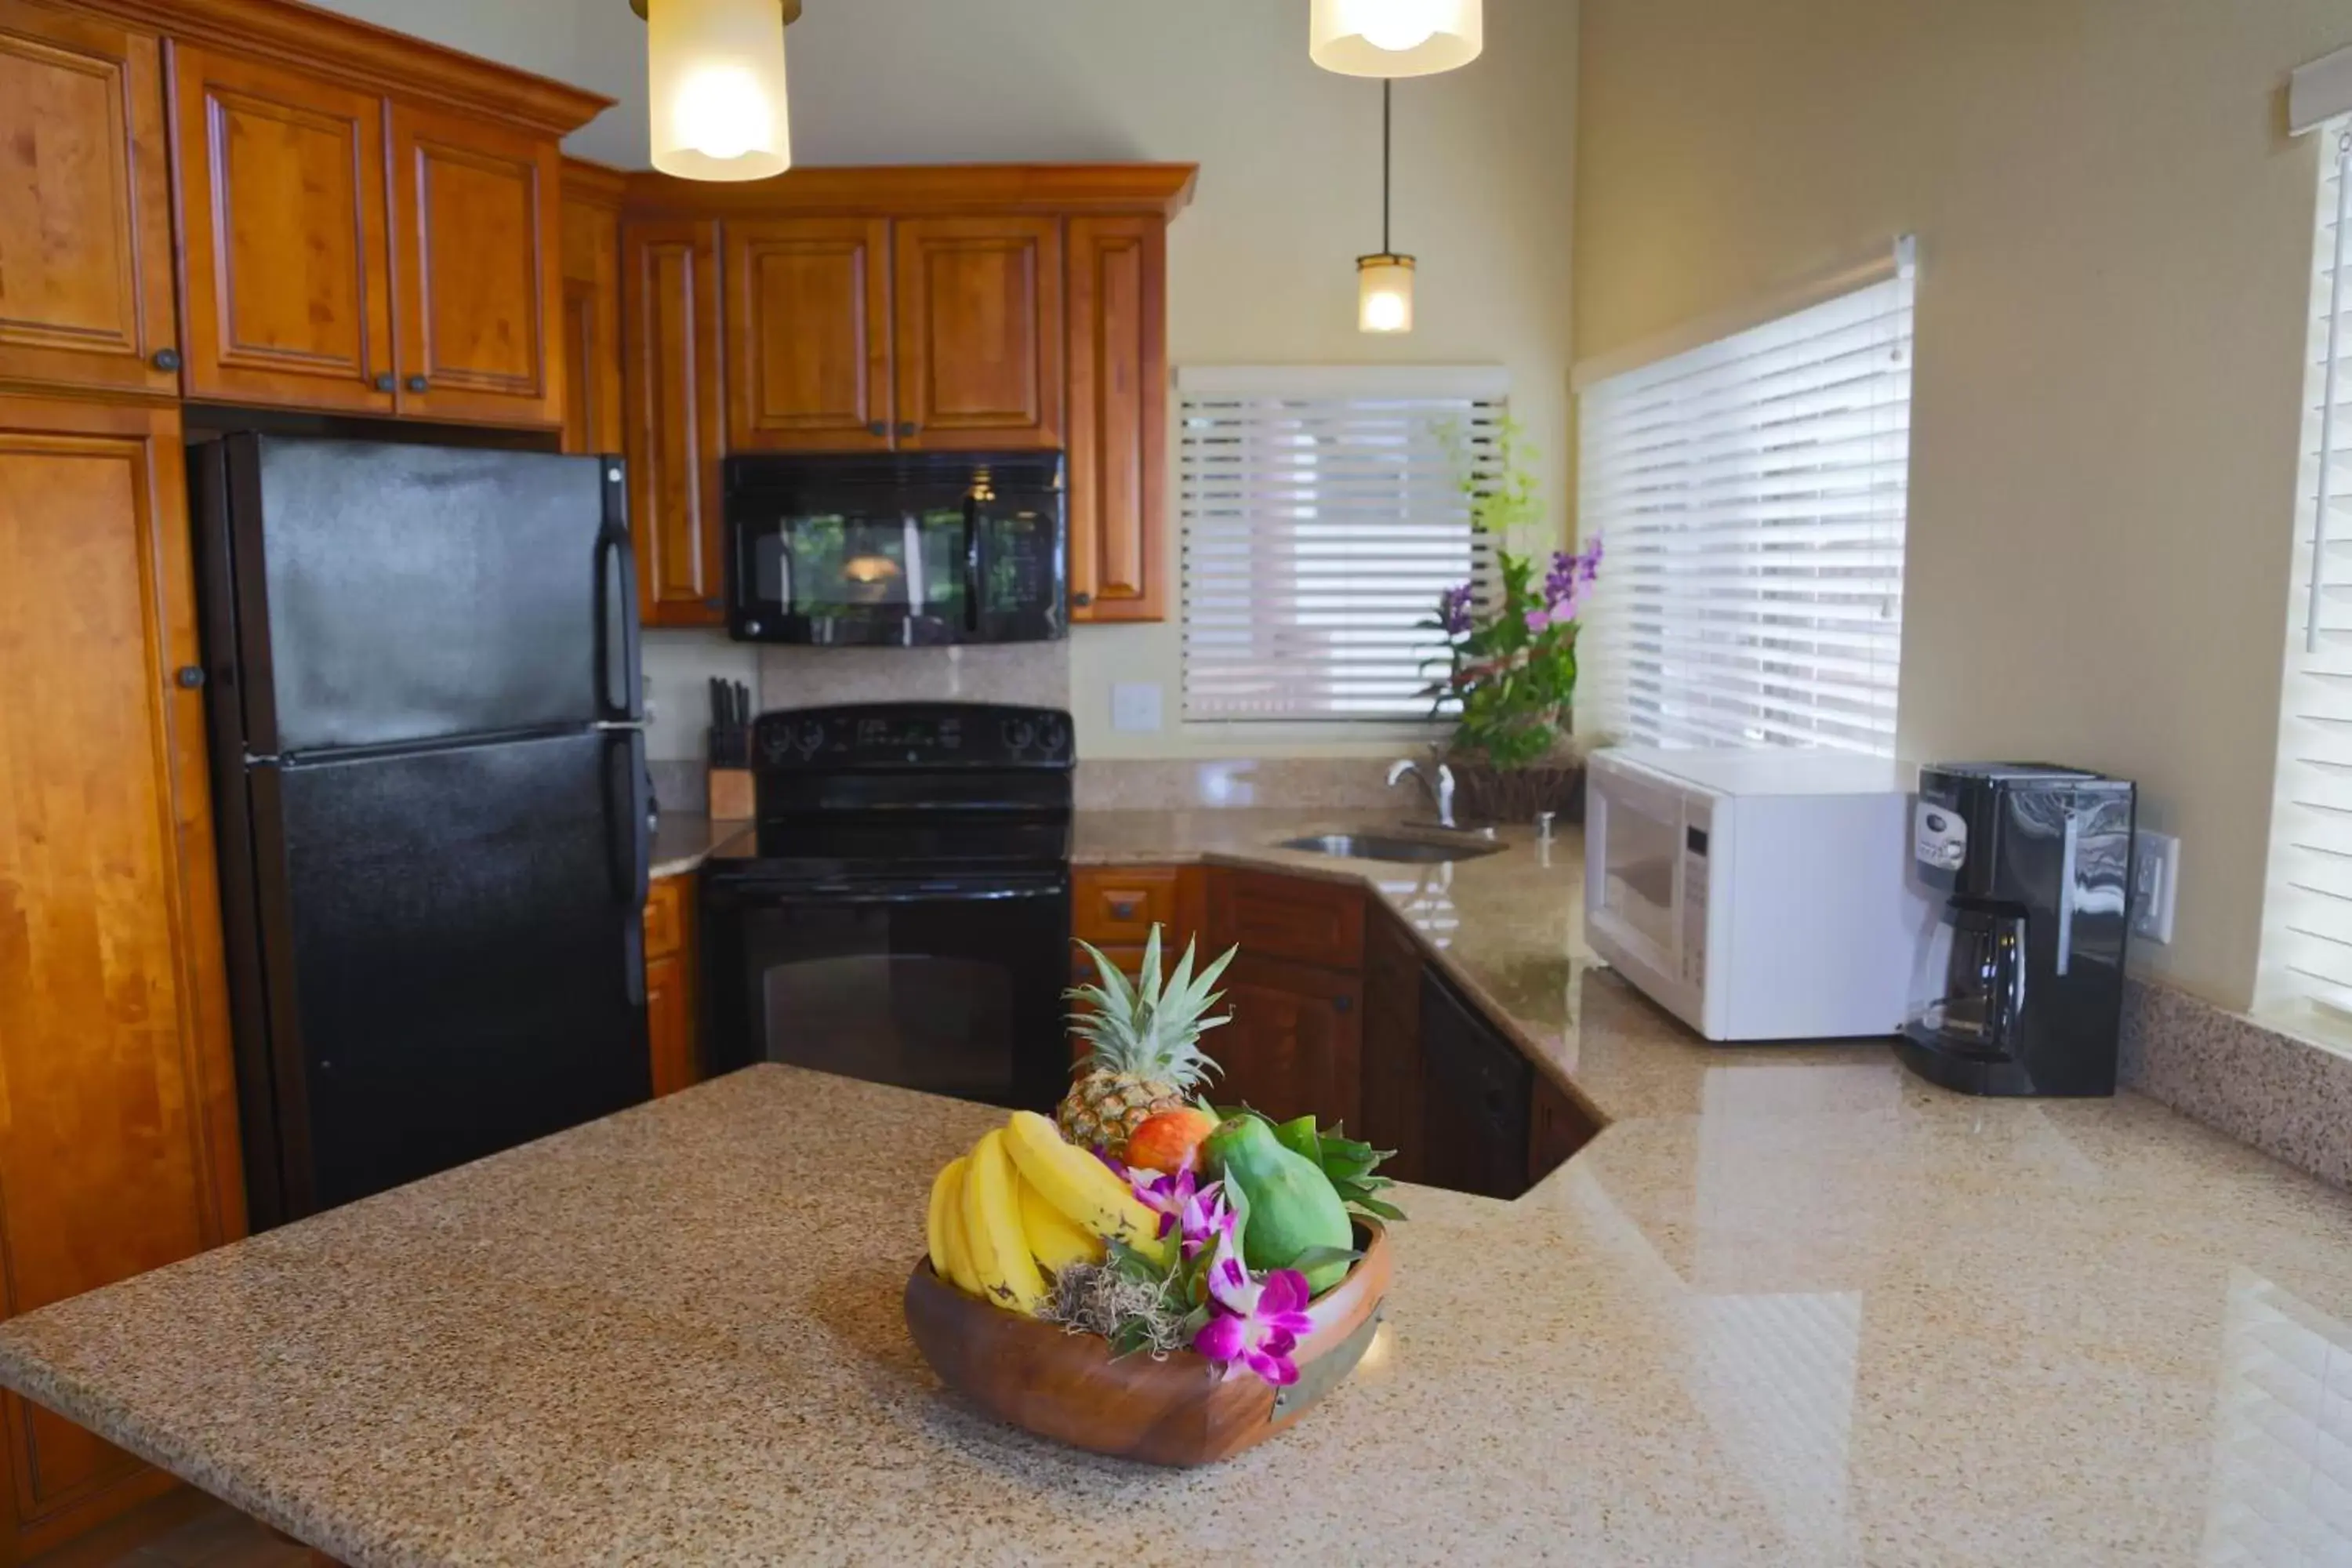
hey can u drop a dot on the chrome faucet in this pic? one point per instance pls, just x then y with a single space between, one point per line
1440 792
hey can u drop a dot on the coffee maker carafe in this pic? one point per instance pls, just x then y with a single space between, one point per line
2020 989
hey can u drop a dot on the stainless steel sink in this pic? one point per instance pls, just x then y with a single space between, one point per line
1386 847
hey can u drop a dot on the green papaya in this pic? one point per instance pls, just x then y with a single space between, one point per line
1292 1204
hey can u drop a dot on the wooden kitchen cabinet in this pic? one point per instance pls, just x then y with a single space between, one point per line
676 394
1392 1096
284 237
671 1035
1558 1126
1295 1042
118 1125
809 335
592 420
478 262
1305 920
86 291
1117 418
978 304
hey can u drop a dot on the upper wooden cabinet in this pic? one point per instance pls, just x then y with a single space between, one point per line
670 332
980 332
478 256
1118 417
85 206
592 419
283 224
809 335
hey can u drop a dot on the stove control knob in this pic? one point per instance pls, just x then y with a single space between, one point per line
1019 734
1057 735
811 738
776 746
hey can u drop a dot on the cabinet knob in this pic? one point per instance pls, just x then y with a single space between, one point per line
384 382
908 427
1343 1003
1122 909
189 676
166 359
878 427
1082 600
418 384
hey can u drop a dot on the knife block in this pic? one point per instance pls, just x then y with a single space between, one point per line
731 795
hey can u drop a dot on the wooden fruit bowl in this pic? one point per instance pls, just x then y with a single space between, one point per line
1180 1411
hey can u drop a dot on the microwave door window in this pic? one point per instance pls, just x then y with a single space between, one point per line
1642 854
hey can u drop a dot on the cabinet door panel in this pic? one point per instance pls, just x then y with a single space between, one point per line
117 1122
979 310
1391 1097
1118 418
85 203
1295 1042
670 307
1303 919
592 328
282 216
809 335
477 236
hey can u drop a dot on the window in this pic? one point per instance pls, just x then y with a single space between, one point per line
2308 940
1322 518
1752 492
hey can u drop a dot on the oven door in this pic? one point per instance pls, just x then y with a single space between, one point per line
951 985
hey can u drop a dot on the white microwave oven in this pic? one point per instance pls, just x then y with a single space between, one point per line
1756 895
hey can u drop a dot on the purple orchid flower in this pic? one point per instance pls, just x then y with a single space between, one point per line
1257 1324
1454 609
1539 618
1207 1218
1166 1195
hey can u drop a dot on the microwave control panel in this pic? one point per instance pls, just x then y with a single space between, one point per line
1698 834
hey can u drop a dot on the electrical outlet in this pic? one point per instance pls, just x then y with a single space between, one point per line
1134 705
2156 880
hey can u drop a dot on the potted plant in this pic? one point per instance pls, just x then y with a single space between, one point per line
1509 677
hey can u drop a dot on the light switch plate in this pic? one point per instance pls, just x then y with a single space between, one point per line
2156 880
1134 705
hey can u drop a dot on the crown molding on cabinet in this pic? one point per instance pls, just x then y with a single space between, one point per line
926 189
324 43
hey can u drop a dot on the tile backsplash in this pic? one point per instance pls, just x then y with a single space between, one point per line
1033 674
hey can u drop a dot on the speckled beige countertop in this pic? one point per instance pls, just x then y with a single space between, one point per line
1791 1308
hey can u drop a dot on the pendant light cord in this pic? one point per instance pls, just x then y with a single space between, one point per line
1386 85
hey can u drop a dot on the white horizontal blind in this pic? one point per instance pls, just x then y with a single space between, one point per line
1752 492
2307 935
1322 518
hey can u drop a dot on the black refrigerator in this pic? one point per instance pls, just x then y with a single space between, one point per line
432 801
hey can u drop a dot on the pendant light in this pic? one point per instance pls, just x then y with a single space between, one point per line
1384 282
716 70
1394 37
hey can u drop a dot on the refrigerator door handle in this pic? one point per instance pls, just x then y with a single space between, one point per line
619 692
627 818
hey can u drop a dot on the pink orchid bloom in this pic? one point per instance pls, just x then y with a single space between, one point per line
1168 1196
1257 1324
1538 618
1206 1218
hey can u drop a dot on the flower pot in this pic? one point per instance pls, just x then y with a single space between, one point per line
1180 1411
1485 793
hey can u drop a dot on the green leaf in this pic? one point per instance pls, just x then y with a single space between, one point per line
1297 1135
1315 1257
1383 1210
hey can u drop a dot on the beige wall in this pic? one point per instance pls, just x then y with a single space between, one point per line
2115 237
1262 266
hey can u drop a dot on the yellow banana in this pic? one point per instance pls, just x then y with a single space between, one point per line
1054 1239
992 1224
960 1268
1080 1185
947 1191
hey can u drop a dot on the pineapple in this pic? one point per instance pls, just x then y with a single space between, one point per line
1144 1041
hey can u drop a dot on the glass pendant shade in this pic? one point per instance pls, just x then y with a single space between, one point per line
1394 37
1384 293
716 68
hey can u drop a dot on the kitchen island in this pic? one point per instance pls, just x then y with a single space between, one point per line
1790 1307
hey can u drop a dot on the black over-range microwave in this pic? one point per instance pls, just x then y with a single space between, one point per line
897 549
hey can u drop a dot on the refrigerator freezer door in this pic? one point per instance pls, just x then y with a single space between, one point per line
388 594
454 954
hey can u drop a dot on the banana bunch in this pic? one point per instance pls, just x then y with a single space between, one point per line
1023 1205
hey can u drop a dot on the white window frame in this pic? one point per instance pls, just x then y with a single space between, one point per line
1206 519
1752 491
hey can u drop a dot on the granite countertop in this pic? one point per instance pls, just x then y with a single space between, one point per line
1790 1307
682 842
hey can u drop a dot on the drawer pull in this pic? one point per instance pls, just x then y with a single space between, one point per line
1122 909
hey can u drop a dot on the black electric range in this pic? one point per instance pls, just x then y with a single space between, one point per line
901 912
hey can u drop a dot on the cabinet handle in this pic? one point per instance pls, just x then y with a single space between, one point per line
1343 1003
878 427
166 359
384 382
418 384
908 427
1123 910
189 676
1081 600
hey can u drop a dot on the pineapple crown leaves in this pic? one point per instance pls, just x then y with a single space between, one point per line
1139 1026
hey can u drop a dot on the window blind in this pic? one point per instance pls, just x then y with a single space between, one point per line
1322 518
2307 936
1752 493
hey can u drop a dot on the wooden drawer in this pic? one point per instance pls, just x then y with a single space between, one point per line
1295 917
1118 905
665 916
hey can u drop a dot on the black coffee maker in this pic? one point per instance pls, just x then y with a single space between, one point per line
2022 989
